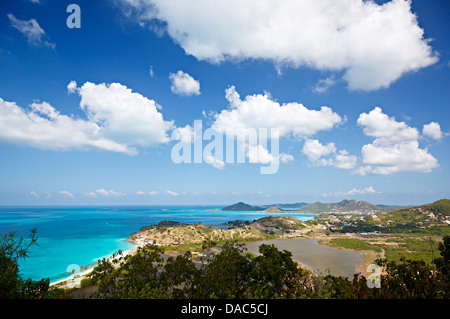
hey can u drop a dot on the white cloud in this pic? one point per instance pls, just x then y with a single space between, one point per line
315 151
172 193
354 191
153 193
324 84
151 71
432 130
66 194
31 30
46 109
184 84
118 120
327 155
286 158
215 162
367 190
72 87
259 154
259 111
91 195
185 134
373 44
107 193
140 193
395 148
34 194
381 126
344 161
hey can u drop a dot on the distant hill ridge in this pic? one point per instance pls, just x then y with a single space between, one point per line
345 205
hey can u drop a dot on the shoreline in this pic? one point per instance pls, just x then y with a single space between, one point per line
74 280
359 266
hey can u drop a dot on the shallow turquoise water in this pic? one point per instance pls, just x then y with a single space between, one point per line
82 235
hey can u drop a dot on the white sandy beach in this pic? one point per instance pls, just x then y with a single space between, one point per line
74 280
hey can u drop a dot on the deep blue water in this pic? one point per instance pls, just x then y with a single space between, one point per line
82 235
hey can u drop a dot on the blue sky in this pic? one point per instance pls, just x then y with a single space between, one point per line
358 90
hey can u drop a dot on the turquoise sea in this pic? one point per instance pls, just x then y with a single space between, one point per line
81 235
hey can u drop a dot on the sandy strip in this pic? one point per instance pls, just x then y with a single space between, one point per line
74 281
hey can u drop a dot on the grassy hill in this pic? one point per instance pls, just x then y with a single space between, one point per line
242 207
431 219
346 206
173 233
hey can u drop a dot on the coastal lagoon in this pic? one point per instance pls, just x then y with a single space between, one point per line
82 235
316 257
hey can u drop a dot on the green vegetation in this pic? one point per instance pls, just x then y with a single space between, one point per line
427 220
12 285
411 248
353 243
229 273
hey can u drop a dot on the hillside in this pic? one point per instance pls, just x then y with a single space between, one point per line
174 233
273 210
287 206
347 206
430 219
277 225
192 234
242 207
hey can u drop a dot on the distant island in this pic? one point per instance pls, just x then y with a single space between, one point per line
344 206
246 207
242 207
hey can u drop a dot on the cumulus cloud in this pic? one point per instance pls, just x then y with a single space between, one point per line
354 191
91 195
72 87
118 120
258 118
31 30
259 111
172 193
324 84
107 193
373 44
395 148
66 194
34 194
259 154
215 162
185 134
286 158
432 130
328 155
315 151
184 84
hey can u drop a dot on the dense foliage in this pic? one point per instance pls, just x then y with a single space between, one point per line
228 273
231 273
12 285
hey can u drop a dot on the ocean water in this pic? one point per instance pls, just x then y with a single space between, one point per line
80 236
